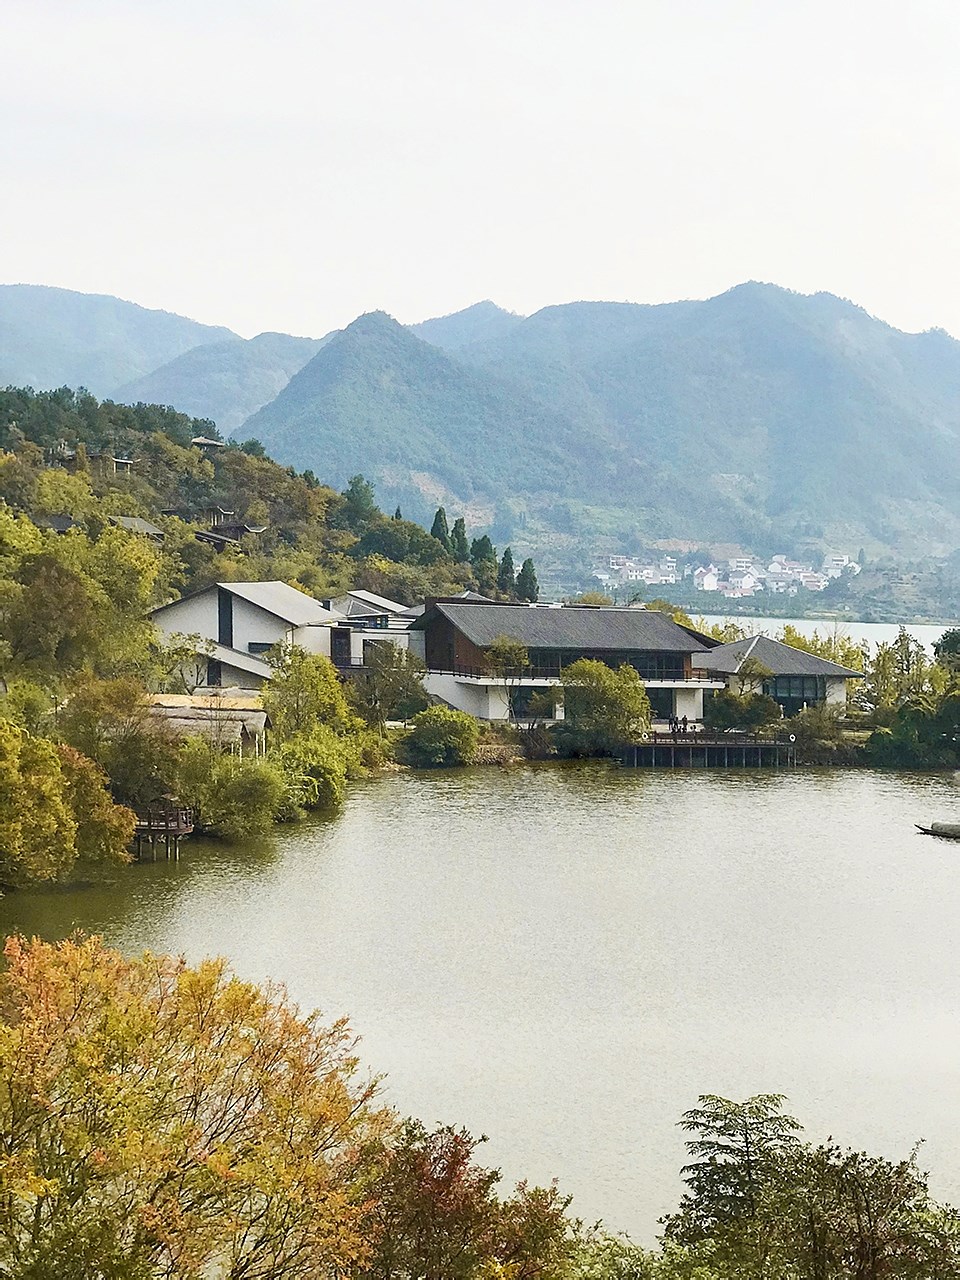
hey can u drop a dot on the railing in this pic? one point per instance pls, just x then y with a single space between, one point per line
556 673
700 736
164 821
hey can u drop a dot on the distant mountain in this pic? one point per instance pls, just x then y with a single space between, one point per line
55 337
761 417
225 381
790 414
480 323
379 400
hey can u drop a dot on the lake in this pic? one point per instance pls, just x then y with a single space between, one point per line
873 633
565 957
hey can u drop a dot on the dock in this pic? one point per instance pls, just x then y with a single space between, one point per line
706 750
164 826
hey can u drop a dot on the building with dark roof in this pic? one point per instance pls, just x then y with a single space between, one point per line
797 679
458 633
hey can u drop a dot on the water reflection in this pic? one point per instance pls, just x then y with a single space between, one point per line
564 958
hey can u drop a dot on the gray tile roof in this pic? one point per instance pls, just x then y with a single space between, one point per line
782 659
283 601
566 627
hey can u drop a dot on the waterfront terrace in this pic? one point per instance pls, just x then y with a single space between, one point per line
457 636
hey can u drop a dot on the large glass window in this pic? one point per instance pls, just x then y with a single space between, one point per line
795 692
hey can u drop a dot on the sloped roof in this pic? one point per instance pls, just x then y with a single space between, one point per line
565 627
137 524
782 659
283 601
379 602
238 659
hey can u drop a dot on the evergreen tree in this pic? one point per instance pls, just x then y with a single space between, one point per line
398 514
459 547
483 562
482 549
506 574
527 586
439 529
360 506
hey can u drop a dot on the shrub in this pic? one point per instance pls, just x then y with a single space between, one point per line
314 766
442 737
231 797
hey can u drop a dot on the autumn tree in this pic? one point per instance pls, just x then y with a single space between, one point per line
167 1121
435 1215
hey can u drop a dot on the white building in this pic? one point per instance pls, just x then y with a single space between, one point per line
238 622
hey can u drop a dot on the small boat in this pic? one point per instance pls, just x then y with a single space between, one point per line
947 830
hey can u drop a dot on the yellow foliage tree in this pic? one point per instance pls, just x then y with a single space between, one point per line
167 1121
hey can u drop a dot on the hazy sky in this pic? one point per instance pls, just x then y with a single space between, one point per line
287 165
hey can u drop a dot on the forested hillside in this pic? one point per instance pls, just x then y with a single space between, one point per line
224 381
431 429
55 337
761 417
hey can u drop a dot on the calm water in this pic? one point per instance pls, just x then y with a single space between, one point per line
873 632
564 958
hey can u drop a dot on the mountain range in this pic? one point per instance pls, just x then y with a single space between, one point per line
760 417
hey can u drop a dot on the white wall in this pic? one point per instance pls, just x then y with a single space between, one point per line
230 676
486 702
314 638
197 616
836 691
689 703
251 623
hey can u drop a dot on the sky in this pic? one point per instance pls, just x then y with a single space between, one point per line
289 165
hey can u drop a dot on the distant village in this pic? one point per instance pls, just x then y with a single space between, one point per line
741 576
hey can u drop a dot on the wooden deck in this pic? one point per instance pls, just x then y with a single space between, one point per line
163 825
706 750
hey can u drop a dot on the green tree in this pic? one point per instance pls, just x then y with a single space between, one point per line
390 687
442 737
459 546
527 586
359 504
110 722
303 692
507 659
104 829
440 530
747 711
736 1155
603 709
314 767
483 562
506 574
231 797
38 830
947 650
